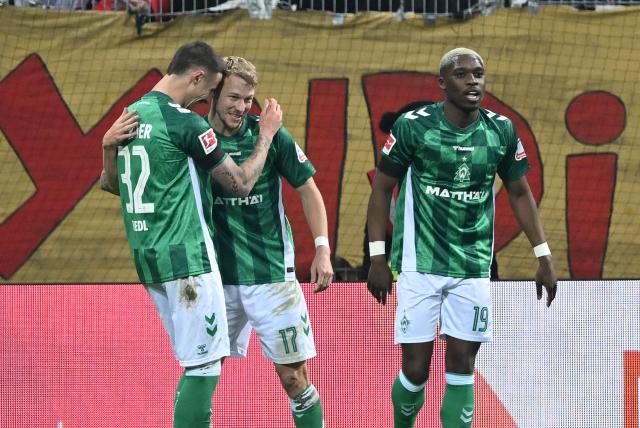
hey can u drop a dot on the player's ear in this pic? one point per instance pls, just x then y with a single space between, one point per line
441 83
197 76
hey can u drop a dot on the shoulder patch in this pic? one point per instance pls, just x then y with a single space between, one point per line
391 141
520 153
208 140
301 156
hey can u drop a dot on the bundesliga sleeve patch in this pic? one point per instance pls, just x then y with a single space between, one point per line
389 144
208 141
520 153
301 156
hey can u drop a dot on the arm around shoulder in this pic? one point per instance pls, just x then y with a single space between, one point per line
123 129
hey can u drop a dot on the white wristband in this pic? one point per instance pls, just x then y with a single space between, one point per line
376 248
322 240
542 250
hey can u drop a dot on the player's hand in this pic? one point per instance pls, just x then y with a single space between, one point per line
546 277
123 129
379 281
321 269
270 118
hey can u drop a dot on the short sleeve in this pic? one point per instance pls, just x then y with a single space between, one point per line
398 152
290 160
198 140
514 164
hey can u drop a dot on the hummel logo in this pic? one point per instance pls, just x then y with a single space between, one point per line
463 149
407 409
422 112
306 328
466 416
238 153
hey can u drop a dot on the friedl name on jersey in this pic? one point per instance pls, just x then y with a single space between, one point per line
454 194
248 200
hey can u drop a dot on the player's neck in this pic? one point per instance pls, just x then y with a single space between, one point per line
459 117
171 86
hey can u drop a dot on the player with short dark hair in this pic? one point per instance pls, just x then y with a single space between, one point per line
255 245
196 54
160 158
445 157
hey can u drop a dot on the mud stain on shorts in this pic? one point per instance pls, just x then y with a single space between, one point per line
288 294
188 291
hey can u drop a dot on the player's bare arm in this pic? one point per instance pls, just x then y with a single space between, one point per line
123 129
380 278
240 179
316 216
524 208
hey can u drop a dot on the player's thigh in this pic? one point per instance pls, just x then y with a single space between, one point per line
158 295
238 323
278 313
418 310
467 312
198 318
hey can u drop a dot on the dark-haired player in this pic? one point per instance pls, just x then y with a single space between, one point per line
162 169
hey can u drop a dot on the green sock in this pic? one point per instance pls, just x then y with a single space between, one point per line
192 403
457 404
307 409
407 401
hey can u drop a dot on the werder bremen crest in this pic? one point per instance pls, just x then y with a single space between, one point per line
463 173
404 323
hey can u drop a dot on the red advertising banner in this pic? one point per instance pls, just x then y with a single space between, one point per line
96 356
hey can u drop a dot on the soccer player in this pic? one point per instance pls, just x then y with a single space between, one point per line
162 170
255 246
445 157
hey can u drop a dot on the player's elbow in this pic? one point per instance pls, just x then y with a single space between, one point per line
107 187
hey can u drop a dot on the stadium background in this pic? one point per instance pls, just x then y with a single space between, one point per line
567 78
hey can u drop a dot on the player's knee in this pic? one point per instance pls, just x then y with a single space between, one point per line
293 383
461 363
416 373
293 378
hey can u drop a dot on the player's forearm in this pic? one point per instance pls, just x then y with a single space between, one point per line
314 210
378 211
526 212
252 166
109 175
240 179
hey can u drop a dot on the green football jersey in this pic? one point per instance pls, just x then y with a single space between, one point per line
445 208
252 234
165 190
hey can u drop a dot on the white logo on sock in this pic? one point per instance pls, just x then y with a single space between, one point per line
466 416
407 409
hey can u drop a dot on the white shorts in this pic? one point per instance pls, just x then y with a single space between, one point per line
193 314
278 313
461 306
